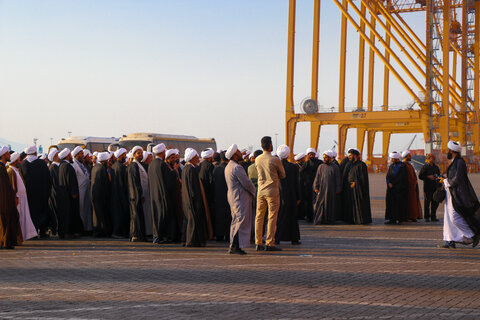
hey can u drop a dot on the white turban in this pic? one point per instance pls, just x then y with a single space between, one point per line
43 156
454 146
395 155
159 148
405 153
310 150
76 150
30 150
129 155
52 154
251 155
62 154
207 153
283 151
334 153
14 157
247 153
299 156
103 156
135 149
86 152
328 153
119 152
231 151
3 150
190 154
145 155
171 152
219 150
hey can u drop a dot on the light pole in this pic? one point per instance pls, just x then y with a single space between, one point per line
69 133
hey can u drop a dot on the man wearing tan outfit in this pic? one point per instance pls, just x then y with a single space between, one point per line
270 171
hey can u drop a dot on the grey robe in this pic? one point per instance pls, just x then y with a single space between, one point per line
84 195
240 195
328 182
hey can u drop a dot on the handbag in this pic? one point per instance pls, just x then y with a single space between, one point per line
440 194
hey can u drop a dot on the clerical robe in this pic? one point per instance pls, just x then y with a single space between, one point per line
223 215
100 195
135 194
159 202
27 227
287 222
241 192
196 232
38 183
397 196
414 208
10 233
308 172
55 194
84 200
328 183
359 195
119 204
206 177
345 212
68 214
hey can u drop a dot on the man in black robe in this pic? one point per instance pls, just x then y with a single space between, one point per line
206 177
287 222
345 212
55 193
196 232
100 195
429 173
69 222
164 219
307 176
38 183
10 232
135 195
119 204
397 191
223 216
357 190
173 188
327 185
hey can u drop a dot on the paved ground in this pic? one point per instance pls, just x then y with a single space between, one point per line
339 272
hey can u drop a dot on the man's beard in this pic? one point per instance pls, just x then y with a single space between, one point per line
449 156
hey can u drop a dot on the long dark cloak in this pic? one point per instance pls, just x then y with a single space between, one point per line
119 204
287 223
196 233
223 215
37 183
397 197
9 219
55 197
329 183
69 221
206 177
464 199
137 219
360 193
307 176
100 195
175 215
345 212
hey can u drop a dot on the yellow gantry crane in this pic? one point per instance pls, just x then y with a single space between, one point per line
444 107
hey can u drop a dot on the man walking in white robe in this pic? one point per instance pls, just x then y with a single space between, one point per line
241 192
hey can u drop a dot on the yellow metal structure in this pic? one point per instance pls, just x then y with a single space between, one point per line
444 107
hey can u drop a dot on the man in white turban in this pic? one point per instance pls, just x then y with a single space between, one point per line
287 222
102 225
137 185
206 177
414 208
397 191
195 207
307 176
120 204
460 223
327 185
28 229
10 233
83 179
241 192
37 183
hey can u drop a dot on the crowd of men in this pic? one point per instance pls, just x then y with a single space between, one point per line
228 195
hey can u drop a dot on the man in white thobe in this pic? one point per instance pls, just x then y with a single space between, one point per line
241 192
83 178
460 223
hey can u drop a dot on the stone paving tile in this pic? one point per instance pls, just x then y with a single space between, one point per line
339 272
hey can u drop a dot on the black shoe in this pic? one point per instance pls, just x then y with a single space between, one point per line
259 247
272 248
390 222
277 242
476 239
427 219
435 220
448 245
296 243
236 251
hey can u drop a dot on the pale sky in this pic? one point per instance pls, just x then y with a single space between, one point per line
210 68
